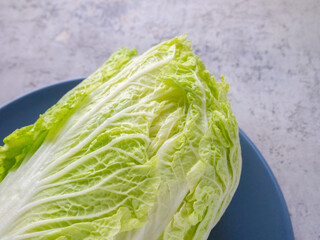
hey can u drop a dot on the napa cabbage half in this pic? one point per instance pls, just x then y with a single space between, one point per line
145 148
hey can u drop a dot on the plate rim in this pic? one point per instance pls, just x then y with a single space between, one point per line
22 96
286 214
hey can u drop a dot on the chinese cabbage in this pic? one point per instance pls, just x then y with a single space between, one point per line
145 148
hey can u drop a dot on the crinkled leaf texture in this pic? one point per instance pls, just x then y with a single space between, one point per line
145 148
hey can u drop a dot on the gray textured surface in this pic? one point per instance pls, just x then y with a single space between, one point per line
269 52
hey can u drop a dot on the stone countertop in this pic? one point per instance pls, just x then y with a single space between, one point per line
268 51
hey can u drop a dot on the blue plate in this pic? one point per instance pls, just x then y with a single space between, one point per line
258 210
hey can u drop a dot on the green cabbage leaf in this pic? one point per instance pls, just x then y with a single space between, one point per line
145 148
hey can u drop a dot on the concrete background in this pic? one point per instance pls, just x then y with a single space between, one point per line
269 52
